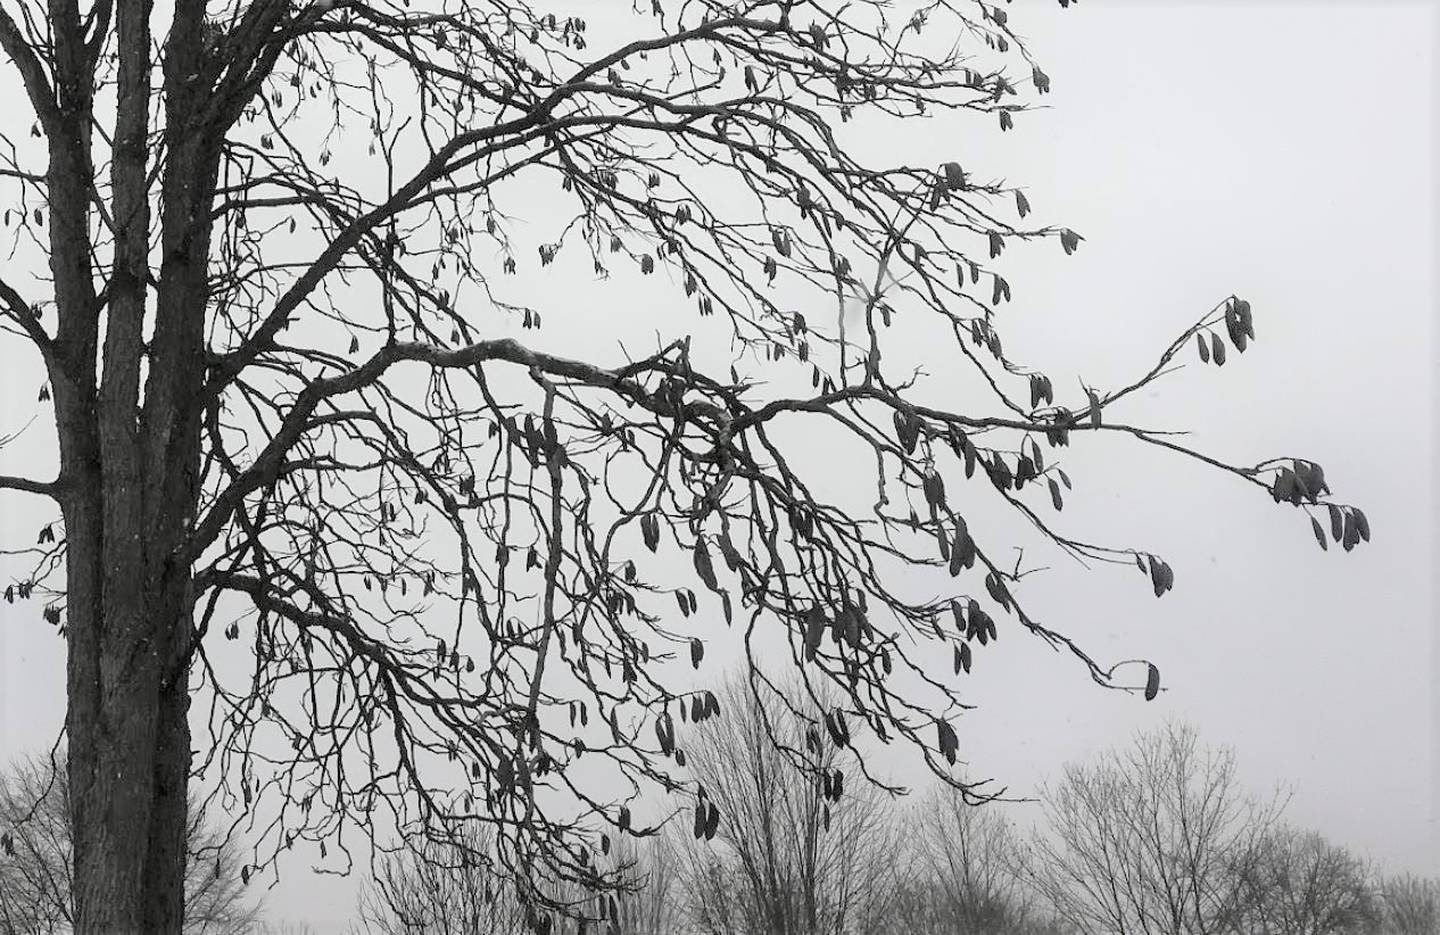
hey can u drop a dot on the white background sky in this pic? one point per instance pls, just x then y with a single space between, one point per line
1282 152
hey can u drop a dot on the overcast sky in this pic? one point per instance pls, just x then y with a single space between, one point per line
1281 152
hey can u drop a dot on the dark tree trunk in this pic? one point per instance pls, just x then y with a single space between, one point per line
129 468
129 629
129 758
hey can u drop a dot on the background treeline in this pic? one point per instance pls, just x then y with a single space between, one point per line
1154 838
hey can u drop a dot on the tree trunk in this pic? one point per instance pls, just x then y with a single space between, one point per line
128 631
129 472
129 758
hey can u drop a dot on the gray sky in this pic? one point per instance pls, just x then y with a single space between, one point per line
1282 152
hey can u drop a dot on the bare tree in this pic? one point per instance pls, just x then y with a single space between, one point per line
278 314
441 890
1298 883
965 870
1411 905
801 850
1152 839
37 892
286 928
455 890
650 902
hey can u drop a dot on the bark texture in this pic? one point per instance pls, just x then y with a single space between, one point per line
129 467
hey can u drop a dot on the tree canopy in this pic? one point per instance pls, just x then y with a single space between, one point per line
332 463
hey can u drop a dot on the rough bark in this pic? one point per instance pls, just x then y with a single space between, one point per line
128 468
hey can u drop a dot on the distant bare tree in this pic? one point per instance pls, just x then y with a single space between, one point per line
799 851
1150 840
451 890
1301 884
966 866
1411 905
437 889
37 892
287 928
651 905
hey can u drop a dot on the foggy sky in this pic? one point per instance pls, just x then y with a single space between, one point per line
1281 152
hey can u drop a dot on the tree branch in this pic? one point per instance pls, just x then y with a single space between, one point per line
45 489
14 306
32 70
